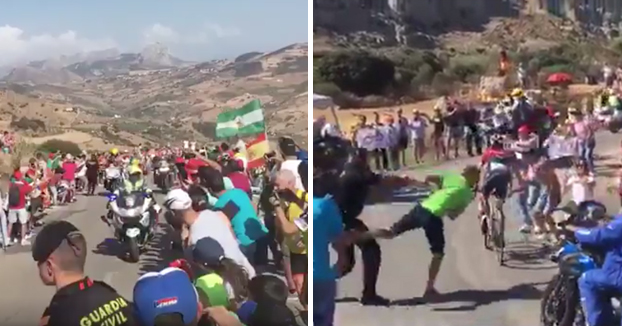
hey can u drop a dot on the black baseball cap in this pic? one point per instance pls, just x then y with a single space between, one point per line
207 251
50 238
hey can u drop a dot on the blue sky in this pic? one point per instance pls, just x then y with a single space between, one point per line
192 29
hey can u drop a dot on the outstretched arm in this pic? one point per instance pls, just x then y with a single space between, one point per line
601 236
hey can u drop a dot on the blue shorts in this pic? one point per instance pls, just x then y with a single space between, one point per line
324 294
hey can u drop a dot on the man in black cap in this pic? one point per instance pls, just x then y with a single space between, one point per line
60 253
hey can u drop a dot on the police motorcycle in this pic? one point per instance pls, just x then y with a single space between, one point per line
133 217
164 175
560 304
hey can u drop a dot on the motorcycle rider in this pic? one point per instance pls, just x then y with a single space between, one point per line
134 183
596 286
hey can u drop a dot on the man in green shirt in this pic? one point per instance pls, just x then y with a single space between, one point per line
455 192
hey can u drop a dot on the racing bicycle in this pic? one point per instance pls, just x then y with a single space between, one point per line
493 228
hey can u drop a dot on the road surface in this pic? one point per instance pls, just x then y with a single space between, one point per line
476 290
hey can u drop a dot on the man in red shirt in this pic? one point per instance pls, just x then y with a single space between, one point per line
18 190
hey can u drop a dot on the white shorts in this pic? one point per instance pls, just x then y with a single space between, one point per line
18 214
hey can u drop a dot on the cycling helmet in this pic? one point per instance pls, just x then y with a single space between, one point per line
114 151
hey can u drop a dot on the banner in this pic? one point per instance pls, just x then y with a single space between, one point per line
366 138
562 147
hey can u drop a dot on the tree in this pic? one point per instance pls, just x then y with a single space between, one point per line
359 72
63 146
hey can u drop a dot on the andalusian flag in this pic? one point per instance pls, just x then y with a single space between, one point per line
255 151
245 121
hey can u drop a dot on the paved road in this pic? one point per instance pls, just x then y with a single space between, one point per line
25 297
477 291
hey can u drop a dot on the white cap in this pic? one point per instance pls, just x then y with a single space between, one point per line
177 199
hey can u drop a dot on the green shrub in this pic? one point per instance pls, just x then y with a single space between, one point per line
57 145
443 84
24 123
466 66
359 72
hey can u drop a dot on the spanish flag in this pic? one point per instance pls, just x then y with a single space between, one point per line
255 151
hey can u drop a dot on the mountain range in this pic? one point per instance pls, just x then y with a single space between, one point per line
77 67
153 96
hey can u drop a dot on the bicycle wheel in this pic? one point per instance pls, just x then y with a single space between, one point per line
487 231
499 231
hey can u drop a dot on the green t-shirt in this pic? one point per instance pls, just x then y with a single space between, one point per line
453 196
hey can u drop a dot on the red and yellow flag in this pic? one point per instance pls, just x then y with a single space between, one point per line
255 151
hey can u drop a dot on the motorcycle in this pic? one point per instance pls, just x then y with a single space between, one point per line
113 178
560 304
133 218
164 176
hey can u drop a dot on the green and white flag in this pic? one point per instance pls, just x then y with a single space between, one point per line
245 121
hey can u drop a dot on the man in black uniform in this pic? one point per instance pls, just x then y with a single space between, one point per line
60 253
349 183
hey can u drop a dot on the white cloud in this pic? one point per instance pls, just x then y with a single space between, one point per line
221 32
204 34
16 47
160 33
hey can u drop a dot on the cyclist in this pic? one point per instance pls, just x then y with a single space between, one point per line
454 194
496 175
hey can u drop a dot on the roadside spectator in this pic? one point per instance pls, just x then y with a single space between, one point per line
18 190
69 175
455 129
471 118
381 155
584 130
166 298
327 232
4 187
92 171
402 137
418 127
60 252
438 125
292 204
207 223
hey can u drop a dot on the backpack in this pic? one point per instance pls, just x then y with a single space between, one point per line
14 194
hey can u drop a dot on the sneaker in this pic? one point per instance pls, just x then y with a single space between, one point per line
29 235
25 242
525 228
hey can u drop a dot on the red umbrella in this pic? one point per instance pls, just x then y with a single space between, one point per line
559 77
